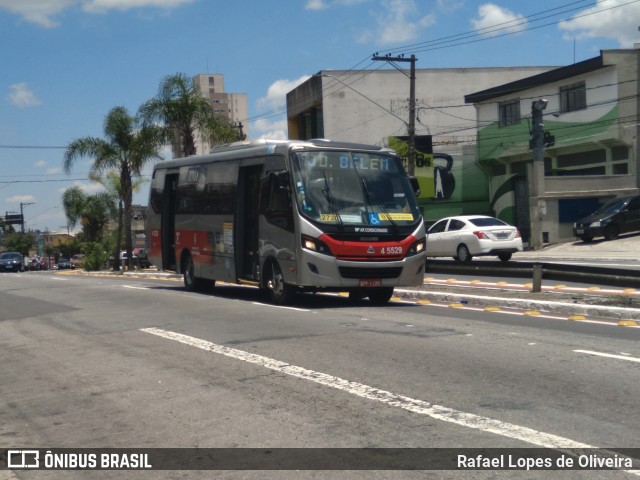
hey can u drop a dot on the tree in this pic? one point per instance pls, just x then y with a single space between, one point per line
182 111
93 212
111 182
19 242
128 147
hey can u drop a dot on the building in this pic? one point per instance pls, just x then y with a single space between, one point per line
591 134
372 107
232 106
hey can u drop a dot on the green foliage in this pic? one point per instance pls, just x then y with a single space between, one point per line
181 109
92 211
95 256
19 242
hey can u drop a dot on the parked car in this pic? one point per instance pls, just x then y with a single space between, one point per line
11 262
618 216
76 260
466 236
64 264
38 263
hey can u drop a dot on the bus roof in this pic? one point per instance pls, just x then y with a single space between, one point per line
260 147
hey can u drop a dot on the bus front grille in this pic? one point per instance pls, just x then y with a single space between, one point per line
361 272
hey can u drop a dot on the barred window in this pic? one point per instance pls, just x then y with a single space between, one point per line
573 97
509 112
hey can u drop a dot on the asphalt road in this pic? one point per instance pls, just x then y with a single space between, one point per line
120 362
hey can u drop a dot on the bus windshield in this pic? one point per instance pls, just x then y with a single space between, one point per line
353 188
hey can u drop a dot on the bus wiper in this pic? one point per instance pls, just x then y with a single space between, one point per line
327 193
380 206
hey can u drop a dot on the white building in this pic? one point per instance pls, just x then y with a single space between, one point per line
591 151
371 106
232 106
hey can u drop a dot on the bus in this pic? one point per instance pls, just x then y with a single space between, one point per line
289 216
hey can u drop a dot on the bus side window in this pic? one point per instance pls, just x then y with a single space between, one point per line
276 200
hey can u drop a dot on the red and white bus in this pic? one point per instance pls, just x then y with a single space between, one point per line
289 216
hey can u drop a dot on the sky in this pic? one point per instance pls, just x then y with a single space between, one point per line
65 63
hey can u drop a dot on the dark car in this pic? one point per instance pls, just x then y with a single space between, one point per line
64 264
620 215
11 262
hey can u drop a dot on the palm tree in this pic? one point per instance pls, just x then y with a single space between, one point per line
111 182
182 111
128 147
93 212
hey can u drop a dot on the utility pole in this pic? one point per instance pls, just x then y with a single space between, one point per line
22 215
536 204
411 127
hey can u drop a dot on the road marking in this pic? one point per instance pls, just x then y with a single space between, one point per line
609 355
438 412
281 306
135 288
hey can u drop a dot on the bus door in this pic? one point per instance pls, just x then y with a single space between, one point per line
246 222
168 227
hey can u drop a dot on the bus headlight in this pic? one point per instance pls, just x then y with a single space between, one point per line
315 245
417 248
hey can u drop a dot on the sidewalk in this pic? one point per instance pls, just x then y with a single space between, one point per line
627 247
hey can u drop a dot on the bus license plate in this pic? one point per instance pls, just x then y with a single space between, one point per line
370 282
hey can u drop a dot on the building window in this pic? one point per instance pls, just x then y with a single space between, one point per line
573 97
212 80
509 112
620 153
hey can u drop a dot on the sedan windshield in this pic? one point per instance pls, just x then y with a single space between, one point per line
355 188
10 256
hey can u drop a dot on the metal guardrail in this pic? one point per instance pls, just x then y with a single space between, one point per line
550 271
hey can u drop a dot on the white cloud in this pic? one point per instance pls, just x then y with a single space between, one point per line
316 5
22 97
324 4
620 24
400 21
87 187
275 130
41 164
275 127
43 12
21 199
37 11
277 92
101 6
492 18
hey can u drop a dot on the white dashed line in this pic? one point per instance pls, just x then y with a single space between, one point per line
609 355
446 414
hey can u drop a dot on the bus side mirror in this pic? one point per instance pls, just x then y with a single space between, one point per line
415 185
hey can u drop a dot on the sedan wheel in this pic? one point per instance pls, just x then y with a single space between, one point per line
504 256
463 254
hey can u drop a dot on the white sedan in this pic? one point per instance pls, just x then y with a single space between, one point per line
466 236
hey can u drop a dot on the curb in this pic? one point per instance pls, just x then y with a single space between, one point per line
566 308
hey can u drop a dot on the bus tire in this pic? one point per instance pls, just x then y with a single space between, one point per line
191 282
380 296
279 292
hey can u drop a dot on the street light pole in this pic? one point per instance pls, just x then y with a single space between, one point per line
536 181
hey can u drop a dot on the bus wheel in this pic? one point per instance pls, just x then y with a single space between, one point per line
191 282
380 296
279 291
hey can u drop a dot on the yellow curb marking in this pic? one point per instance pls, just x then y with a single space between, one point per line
491 309
577 317
531 313
628 323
